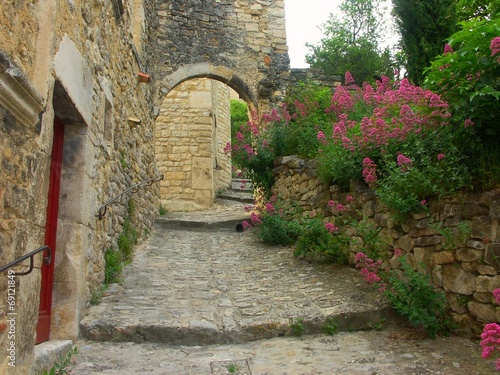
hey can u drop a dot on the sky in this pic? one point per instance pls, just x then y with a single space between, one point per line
303 18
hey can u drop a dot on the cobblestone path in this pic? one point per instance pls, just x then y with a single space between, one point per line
202 298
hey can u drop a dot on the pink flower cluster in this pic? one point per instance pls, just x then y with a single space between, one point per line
338 207
369 172
490 338
331 227
495 47
393 113
369 268
490 341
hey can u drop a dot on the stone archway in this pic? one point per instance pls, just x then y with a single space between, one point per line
207 70
191 131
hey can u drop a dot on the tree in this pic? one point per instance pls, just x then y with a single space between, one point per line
468 9
424 26
351 43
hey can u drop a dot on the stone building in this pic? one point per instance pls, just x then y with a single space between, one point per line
85 88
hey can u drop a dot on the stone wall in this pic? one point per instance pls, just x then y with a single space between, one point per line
465 267
242 43
191 131
73 60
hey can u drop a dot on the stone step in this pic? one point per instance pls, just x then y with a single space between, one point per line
237 195
204 332
241 184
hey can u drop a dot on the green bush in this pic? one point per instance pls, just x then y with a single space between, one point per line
316 242
414 297
277 230
113 266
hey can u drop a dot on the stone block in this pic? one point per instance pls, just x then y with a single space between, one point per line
487 283
482 311
405 243
492 255
422 257
437 275
442 257
456 280
481 227
468 254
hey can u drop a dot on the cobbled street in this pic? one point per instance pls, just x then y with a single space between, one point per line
202 298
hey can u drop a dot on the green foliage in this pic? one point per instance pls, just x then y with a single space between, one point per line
316 242
239 116
61 367
423 25
351 43
97 295
467 76
275 229
372 244
339 165
123 158
330 327
113 266
414 297
115 259
482 9
297 326
233 368
162 210
406 189
453 237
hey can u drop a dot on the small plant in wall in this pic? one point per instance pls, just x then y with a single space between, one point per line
61 367
297 326
233 368
330 327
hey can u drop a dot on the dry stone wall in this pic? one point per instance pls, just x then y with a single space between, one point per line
457 243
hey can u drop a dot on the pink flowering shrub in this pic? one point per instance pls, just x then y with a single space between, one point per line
490 338
394 136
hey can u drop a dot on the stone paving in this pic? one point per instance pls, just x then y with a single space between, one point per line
200 297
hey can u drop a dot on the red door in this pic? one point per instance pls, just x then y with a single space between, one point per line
43 328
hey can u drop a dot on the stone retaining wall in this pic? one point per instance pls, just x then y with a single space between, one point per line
467 268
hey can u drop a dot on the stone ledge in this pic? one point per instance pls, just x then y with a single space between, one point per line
49 352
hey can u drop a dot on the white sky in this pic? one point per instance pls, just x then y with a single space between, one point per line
303 19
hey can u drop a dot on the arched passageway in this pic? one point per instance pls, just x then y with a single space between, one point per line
192 128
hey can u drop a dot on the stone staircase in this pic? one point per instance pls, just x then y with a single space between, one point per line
197 281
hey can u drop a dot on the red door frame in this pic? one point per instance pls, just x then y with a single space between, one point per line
43 327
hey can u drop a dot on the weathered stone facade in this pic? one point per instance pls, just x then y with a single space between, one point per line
104 68
75 61
463 263
192 129
241 43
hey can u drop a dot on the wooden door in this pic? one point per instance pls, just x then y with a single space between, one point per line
43 327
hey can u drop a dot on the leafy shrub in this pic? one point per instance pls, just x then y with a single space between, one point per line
114 265
316 241
411 294
275 229
467 76
416 298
